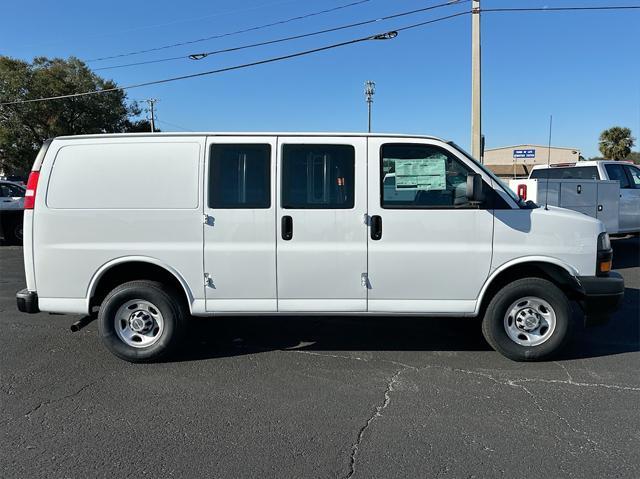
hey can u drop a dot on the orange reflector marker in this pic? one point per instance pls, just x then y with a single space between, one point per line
605 266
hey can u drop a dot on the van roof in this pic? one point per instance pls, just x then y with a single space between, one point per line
248 133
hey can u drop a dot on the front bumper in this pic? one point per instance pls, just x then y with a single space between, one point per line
27 301
600 296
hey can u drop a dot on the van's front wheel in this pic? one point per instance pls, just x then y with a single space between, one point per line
527 320
141 321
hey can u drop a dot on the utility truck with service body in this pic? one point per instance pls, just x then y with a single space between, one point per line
150 229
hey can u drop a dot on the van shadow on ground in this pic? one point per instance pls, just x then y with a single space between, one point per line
237 336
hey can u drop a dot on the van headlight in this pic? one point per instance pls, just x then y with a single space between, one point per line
604 255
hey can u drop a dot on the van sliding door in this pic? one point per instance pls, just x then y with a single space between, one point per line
322 233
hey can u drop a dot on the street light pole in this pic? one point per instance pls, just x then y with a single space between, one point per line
476 87
369 91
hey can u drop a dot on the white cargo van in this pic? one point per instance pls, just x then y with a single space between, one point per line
152 228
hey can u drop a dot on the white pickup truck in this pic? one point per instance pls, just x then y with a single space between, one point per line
606 190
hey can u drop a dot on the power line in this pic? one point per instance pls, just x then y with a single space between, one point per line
173 125
559 9
382 36
174 22
200 56
387 35
237 32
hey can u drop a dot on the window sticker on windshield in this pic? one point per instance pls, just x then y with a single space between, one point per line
427 174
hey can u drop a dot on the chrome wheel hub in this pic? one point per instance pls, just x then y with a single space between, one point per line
530 321
139 323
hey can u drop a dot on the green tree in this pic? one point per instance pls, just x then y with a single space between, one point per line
24 127
616 143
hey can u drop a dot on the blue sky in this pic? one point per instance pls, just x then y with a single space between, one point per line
582 67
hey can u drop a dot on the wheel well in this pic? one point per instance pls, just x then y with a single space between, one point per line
551 272
131 271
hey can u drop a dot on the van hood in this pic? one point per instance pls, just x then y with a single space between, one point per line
555 234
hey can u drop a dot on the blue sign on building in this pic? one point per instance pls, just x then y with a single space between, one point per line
524 153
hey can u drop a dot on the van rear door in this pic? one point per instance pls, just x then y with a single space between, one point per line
239 224
322 231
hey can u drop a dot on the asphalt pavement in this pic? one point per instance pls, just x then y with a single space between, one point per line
318 397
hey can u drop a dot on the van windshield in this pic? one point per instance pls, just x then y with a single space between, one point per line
497 180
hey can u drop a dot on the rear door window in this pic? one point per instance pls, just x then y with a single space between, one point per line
240 176
568 173
318 176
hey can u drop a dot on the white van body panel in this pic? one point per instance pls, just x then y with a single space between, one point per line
239 244
560 235
321 267
77 233
27 247
113 199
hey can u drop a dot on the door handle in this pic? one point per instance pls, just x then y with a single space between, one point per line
376 227
287 228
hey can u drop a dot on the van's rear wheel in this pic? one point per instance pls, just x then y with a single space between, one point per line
528 320
141 321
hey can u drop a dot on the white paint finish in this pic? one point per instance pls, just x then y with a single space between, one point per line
426 256
328 252
71 245
240 245
241 305
137 259
429 306
63 305
431 262
27 250
320 305
557 234
138 174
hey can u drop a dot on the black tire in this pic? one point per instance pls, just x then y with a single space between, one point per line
165 300
495 331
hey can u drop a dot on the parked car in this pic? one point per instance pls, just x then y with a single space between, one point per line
151 229
13 179
626 173
11 207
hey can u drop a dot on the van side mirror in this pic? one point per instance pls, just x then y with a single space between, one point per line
474 188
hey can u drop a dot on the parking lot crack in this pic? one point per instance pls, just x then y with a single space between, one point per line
377 412
63 398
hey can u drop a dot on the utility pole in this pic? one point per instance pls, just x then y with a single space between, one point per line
151 102
369 91
476 87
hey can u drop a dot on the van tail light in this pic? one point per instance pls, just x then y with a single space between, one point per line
522 191
32 186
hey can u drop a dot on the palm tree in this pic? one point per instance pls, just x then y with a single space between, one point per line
616 143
